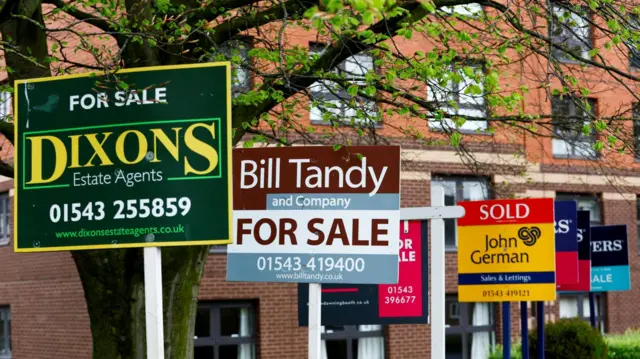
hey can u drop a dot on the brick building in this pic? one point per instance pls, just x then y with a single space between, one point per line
43 312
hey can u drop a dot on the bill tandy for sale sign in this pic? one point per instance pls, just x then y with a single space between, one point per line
316 215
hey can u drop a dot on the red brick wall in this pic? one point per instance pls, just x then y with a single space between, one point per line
49 313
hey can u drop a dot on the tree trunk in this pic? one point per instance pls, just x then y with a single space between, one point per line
28 42
113 283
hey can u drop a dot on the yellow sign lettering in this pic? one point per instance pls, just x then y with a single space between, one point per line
36 159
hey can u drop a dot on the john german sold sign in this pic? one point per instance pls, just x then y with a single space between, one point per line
506 251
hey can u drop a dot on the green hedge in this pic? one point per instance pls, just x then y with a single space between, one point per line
624 346
569 338
619 346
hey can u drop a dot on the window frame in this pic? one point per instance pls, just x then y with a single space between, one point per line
586 44
581 196
5 204
341 94
453 94
634 54
601 303
5 321
569 138
459 180
466 328
215 338
351 333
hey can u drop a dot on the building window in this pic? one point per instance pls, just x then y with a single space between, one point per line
237 52
5 106
472 9
585 202
459 189
331 102
5 218
634 45
569 118
225 330
353 342
570 29
577 306
470 329
462 95
5 333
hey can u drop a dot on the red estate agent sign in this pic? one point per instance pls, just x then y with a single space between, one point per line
402 303
584 255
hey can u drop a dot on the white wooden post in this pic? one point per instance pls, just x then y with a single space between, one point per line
315 325
436 213
153 302
438 309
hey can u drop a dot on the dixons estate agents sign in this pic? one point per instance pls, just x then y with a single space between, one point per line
316 215
139 159
506 251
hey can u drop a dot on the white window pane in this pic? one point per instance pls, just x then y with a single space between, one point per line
585 307
473 125
5 105
560 147
358 65
466 82
568 307
474 191
315 114
466 9
436 93
584 149
319 86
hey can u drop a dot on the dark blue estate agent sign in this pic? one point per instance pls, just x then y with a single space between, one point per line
609 259
402 303
566 224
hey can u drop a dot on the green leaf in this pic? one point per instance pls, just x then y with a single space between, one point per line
310 12
598 145
352 90
455 139
367 18
337 146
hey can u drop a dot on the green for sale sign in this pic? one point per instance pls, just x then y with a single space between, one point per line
137 158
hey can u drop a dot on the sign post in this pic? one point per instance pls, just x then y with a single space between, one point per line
438 305
125 160
524 330
315 325
316 215
154 316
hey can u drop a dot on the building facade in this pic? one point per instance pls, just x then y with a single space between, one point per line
43 312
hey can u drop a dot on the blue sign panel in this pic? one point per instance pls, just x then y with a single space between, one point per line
566 230
610 259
